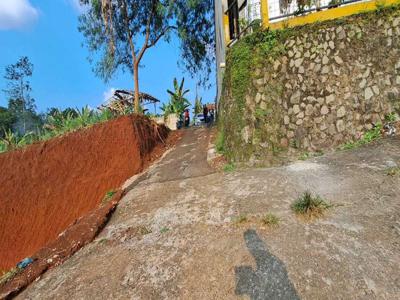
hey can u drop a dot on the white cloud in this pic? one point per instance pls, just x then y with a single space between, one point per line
16 14
77 6
108 94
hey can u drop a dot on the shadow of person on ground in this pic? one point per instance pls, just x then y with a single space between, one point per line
270 279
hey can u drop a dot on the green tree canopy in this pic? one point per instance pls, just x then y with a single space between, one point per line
7 120
121 31
20 103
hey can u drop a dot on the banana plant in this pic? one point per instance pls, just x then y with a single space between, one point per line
12 141
178 103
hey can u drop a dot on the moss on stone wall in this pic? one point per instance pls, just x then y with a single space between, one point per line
309 88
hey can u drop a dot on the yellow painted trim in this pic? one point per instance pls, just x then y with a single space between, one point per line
264 12
226 29
328 14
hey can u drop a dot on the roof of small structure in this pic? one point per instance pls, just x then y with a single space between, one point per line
123 99
130 95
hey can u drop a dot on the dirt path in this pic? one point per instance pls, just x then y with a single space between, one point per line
172 235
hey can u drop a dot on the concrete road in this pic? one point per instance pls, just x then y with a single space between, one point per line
176 234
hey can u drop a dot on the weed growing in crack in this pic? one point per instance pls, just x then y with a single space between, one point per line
108 196
370 136
102 241
164 230
270 220
142 230
394 171
310 205
240 219
229 168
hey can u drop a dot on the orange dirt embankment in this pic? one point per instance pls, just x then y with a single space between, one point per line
46 187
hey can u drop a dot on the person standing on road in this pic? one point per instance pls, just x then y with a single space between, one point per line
187 118
205 113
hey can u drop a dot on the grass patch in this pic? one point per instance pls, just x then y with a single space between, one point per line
220 142
143 230
307 155
394 171
229 167
240 219
9 275
108 196
370 136
164 230
310 205
270 220
102 241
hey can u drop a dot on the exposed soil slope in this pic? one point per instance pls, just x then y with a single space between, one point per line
48 186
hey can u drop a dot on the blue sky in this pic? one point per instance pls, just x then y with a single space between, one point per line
46 32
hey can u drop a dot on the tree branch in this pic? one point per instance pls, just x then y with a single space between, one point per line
163 32
148 24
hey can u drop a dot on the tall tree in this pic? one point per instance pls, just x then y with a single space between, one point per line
7 119
18 90
121 31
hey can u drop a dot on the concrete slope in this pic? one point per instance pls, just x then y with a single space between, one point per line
173 235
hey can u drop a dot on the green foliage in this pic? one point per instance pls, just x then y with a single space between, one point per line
220 142
21 105
108 196
56 123
120 32
178 102
229 167
307 155
270 220
392 117
307 204
370 136
7 119
262 113
12 141
239 69
164 230
9 275
393 171
198 106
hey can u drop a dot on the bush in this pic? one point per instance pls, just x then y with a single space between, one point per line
307 204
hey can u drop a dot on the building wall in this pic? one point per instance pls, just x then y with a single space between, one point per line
220 45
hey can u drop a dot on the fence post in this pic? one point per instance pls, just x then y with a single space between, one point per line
264 13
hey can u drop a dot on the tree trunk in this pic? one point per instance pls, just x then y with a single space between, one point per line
136 79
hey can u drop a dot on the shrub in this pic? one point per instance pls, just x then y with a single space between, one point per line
307 204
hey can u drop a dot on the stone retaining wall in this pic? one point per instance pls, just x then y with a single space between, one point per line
329 85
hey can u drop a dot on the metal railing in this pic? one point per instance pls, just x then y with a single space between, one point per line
243 20
279 10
